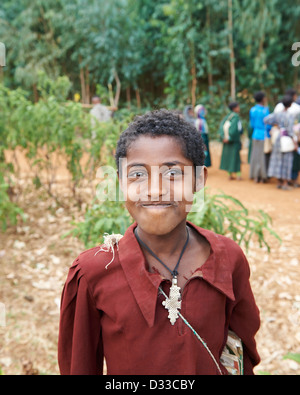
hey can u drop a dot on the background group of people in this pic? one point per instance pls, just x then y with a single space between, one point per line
274 139
274 151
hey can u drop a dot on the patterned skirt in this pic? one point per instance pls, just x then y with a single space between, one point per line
281 164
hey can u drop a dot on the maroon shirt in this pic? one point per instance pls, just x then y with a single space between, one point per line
117 313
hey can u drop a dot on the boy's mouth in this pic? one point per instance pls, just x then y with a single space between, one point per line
156 205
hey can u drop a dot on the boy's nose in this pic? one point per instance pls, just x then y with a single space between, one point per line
156 185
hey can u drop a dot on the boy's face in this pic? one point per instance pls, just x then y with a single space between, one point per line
158 182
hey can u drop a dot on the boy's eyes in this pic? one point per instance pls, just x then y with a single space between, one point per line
137 174
167 173
174 172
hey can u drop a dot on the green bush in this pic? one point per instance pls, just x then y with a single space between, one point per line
220 213
108 217
226 215
292 356
10 213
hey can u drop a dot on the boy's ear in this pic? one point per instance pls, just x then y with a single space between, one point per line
121 170
201 177
119 175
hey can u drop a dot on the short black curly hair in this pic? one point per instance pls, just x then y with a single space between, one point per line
163 123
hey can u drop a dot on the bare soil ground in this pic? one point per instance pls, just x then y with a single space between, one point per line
34 261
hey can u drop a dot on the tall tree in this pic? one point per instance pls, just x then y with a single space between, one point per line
30 40
161 53
231 48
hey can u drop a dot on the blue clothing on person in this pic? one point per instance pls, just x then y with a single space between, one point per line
257 115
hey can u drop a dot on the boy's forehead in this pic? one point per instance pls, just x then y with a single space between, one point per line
159 147
147 142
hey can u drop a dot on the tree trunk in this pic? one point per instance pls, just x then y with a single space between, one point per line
232 60
138 98
118 89
35 93
114 101
209 62
82 83
194 84
87 85
111 98
128 97
193 74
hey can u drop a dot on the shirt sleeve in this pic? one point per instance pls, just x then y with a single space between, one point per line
271 119
234 134
80 350
244 319
279 108
221 130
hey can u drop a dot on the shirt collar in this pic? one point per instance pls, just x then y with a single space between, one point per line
217 270
144 285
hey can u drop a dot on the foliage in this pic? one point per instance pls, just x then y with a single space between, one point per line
10 213
54 126
42 127
220 213
108 217
47 131
166 52
226 215
292 356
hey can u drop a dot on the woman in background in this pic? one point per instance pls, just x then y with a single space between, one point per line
188 115
230 132
281 163
202 127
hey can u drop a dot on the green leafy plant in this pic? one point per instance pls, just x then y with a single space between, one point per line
226 215
169 51
10 213
107 217
220 213
292 356
52 130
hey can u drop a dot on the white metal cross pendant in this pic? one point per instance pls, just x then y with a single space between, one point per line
173 302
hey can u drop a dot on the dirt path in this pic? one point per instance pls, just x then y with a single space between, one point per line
34 260
275 277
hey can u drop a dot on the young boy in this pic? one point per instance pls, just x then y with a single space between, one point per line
124 303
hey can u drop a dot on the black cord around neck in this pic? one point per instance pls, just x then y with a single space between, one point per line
173 272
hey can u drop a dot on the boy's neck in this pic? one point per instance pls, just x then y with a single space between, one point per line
168 244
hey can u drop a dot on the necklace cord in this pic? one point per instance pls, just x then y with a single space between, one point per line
173 272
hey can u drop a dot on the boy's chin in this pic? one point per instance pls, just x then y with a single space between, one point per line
159 228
